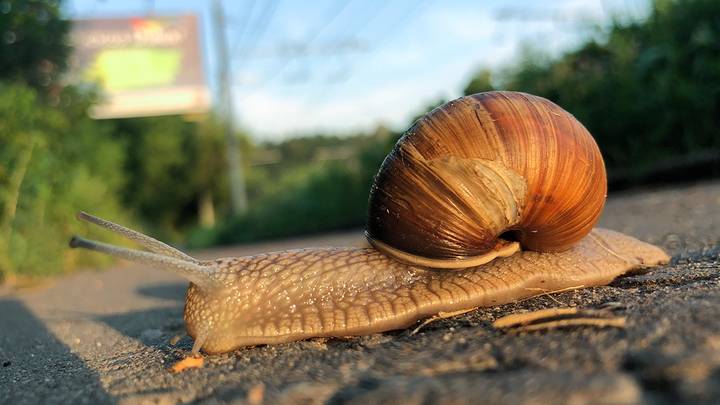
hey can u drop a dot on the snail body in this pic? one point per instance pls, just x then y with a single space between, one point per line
468 204
362 291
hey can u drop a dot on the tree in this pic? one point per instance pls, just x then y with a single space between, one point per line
481 81
34 42
53 163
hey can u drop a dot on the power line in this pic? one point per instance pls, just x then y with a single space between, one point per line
292 52
297 50
394 26
401 23
373 14
345 74
348 43
406 16
260 27
244 24
332 14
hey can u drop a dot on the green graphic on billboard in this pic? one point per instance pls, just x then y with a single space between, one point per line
143 66
123 69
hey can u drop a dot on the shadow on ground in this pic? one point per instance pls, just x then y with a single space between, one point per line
157 326
38 359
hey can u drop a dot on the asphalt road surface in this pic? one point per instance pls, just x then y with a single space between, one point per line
106 337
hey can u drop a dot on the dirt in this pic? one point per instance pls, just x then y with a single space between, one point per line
105 337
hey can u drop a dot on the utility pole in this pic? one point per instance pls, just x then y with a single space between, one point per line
234 157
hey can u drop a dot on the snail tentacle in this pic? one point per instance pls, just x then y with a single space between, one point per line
148 242
200 274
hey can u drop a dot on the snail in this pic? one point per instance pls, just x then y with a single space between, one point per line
485 200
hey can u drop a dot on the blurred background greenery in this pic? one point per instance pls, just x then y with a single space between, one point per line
649 91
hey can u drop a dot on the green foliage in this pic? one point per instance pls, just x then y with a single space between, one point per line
54 161
310 201
318 196
34 41
158 167
648 92
171 164
482 81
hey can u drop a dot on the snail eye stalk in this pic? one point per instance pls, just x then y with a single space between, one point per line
161 255
149 243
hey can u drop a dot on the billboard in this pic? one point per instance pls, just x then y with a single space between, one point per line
144 66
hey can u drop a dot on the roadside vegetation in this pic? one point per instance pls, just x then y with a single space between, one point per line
649 91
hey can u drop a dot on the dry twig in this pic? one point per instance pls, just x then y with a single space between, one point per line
441 315
557 318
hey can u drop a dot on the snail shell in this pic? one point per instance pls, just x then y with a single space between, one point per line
486 166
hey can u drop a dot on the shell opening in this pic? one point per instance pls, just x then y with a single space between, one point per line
503 248
512 235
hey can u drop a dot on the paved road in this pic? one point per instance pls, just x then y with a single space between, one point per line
103 337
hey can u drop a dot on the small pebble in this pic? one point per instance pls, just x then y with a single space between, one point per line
256 394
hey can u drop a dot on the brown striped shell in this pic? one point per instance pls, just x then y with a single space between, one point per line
482 169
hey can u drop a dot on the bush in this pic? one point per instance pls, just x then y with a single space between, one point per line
314 198
54 161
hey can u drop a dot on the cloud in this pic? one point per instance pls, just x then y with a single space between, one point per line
278 115
460 24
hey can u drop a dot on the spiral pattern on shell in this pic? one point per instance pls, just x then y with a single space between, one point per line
486 166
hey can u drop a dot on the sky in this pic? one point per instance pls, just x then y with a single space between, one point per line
340 66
